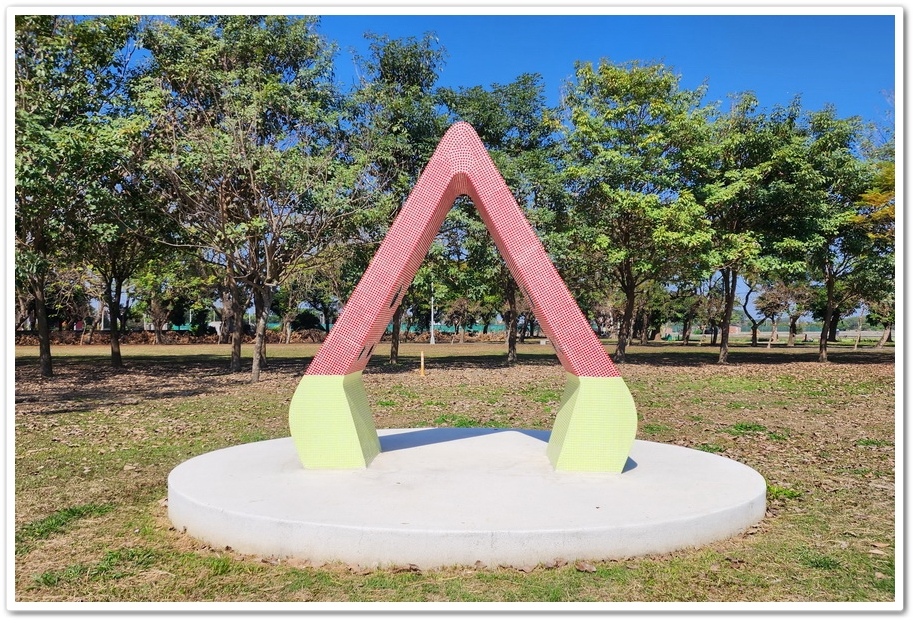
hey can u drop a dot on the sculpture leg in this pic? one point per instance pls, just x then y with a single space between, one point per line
331 424
595 426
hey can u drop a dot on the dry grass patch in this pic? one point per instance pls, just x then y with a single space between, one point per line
93 449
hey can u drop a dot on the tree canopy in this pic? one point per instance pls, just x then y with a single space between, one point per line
195 165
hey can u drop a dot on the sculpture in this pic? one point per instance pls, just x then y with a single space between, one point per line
330 419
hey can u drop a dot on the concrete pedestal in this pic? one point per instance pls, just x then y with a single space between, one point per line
455 496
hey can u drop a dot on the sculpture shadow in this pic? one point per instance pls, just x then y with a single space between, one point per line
428 436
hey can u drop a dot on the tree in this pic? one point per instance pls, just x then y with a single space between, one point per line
757 188
882 312
772 306
519 131
840 245
396 127
173 282
122 227
66 70
248 123
756 323
634 216
686 302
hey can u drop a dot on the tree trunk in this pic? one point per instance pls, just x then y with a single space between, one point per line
644 333
226 316
828 315
626 326
22 313
885 336
158 317
834 324
395 334
793 330
326 315
511 319
685 336
755 327
44 330
238 316
96 323
730 280
157 333
755 324
774 334
113 301
263 296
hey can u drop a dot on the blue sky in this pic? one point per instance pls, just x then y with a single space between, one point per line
844 60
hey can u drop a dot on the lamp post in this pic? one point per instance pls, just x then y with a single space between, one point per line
432 320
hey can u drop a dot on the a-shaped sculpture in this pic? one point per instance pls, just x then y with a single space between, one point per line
329 417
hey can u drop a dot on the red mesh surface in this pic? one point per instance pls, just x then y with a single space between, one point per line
460 165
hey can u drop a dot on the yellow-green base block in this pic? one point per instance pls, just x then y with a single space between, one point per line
331 424
595 426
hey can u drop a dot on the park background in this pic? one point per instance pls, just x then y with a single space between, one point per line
216 170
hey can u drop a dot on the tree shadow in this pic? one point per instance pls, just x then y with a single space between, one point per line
694 356
84 380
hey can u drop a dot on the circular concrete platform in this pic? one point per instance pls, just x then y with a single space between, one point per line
457 496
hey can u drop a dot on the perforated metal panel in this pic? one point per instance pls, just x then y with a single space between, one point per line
460 165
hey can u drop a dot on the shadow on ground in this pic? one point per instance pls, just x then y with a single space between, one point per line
82 378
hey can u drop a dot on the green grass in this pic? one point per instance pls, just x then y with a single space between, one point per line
745 428
872 443
815 560
542 394
114 565
57 522
458 421
710 447
776 492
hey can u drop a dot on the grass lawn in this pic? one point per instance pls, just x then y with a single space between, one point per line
94 446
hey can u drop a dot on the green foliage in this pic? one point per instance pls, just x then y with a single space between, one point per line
634 219
518 130
248 151
72 143
846 256
228 139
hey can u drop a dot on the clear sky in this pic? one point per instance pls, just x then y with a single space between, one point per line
844 60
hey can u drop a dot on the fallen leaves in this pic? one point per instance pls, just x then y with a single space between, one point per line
585 567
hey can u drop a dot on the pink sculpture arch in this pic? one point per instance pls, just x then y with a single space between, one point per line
459 166
330 418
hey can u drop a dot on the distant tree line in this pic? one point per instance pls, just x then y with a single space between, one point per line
177 165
